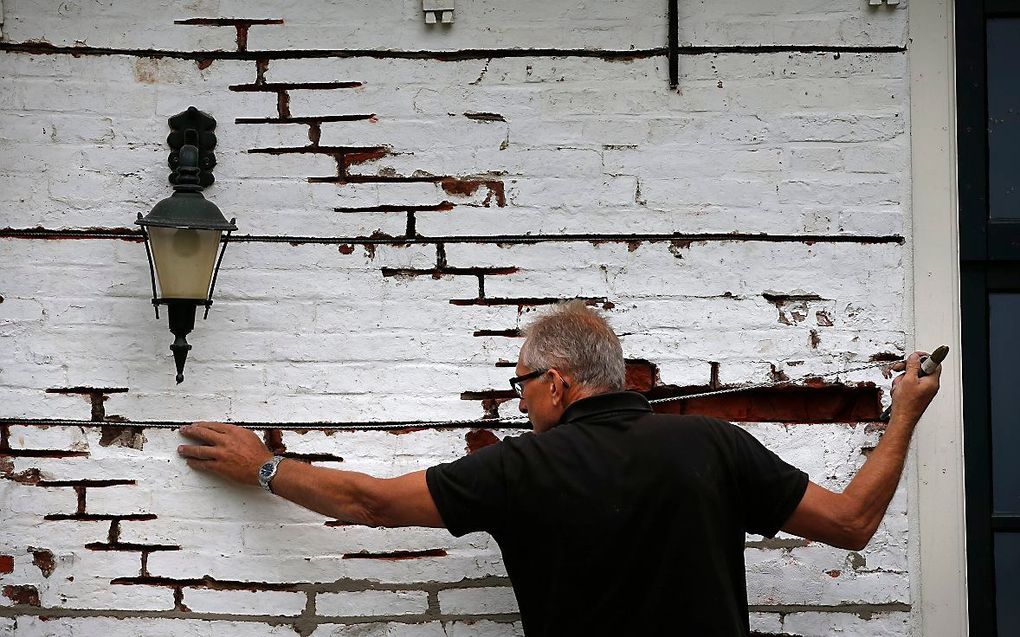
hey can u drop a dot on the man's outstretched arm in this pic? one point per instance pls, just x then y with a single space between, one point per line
236 454
849 519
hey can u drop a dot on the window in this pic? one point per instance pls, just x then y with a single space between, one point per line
988 100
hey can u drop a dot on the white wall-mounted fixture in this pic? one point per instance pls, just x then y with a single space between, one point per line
437 11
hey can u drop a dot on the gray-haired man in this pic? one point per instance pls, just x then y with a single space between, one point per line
611 519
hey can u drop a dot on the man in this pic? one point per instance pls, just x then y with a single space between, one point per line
611 520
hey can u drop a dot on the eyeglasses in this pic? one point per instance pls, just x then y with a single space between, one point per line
517 382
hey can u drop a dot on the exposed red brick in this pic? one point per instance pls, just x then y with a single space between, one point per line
96 517
314 457
204 64
814 340
179 604
25 595
274 440
479 438
28 476
205 582
6 564
641 375
400 431
130 437
242 36
346 248
491 400
350 159
314 133
227 22
511 333
130 546
97 397
261 66
777 375
43 558
395 555
467 187
875 427
80 491
283 104
803 404
485 117
890 357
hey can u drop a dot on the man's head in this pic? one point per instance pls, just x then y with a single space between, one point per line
568 354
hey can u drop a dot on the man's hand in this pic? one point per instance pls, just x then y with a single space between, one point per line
229 451
849 519
911 394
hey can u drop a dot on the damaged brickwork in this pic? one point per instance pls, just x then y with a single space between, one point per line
407 201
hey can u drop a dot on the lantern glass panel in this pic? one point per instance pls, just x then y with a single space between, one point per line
184 259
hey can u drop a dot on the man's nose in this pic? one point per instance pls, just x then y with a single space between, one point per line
523 407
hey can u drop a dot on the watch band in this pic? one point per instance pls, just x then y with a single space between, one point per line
268 471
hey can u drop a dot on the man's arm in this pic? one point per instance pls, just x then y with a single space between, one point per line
236 454
849 519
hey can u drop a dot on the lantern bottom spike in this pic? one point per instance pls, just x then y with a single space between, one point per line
182 321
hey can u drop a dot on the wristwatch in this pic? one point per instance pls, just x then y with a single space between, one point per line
268 471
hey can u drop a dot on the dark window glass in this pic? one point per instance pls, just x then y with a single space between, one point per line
1004 365
1003 39
1007 584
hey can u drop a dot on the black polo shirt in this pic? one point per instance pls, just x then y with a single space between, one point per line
619 521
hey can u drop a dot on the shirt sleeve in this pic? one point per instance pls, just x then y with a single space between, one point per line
770 488
471 493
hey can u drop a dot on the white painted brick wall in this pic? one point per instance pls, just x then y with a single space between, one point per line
478 601
803 138
244 602
361 603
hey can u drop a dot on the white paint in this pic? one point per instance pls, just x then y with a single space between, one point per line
939 563
365 603
777 143
478 601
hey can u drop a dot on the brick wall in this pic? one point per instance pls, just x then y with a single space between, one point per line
407 197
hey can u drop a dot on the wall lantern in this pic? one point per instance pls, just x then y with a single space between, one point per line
184 232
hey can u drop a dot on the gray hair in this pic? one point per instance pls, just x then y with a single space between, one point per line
578 342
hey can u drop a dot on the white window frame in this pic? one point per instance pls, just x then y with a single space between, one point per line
938 560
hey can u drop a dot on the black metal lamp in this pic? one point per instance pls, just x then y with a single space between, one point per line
184 232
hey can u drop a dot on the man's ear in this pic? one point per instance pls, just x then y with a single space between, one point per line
556 388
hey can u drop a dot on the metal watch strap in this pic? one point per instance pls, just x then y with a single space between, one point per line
268 471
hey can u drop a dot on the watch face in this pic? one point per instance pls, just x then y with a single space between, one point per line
266 470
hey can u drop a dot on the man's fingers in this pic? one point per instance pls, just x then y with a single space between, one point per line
201 465
202 431
199 452
218 427
913 364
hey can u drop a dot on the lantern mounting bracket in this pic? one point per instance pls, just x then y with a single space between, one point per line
195 128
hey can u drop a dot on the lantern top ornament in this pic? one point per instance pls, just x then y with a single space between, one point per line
191 158
187 207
